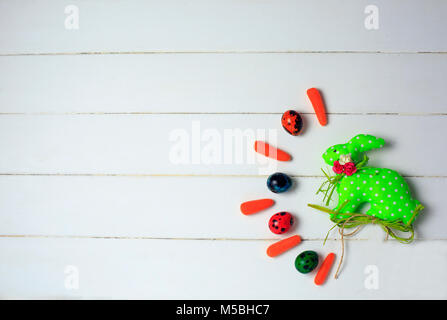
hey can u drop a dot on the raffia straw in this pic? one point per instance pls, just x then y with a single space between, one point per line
357 220
342 235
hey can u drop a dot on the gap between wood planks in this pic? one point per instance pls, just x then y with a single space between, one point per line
158 238
99 113
183 238
142 175
218 52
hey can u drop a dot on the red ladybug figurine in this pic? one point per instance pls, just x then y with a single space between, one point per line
292 122
280 222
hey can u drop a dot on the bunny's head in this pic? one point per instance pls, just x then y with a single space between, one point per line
349 152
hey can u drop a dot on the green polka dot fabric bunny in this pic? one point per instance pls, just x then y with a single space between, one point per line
391 204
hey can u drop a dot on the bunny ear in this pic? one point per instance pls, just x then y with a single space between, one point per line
365 142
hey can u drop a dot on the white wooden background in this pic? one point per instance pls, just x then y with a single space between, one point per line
85 176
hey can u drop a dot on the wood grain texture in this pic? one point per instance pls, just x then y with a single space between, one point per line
172 269
223 83
180 207
29 26
147 144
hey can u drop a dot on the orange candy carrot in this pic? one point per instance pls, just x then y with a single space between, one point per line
271 152
254 206
282 246
324 269
317 103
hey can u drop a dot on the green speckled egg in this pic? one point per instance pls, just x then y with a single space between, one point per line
306 261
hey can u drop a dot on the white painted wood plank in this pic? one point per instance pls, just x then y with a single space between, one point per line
157 269
359 83
180 207
30 26
140 144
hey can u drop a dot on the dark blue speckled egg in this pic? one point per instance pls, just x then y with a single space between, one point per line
279 182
